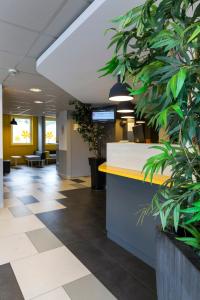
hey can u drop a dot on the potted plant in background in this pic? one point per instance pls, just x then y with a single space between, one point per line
157 48
93 135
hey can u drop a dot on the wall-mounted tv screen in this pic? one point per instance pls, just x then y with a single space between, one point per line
104 115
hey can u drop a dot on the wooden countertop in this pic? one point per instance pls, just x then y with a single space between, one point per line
133 174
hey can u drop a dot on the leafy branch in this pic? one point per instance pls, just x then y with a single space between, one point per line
156 46
92 133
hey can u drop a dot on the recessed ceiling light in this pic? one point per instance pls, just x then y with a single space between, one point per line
35 90
38 102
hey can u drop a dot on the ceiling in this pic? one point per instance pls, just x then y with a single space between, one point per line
27 28
72 61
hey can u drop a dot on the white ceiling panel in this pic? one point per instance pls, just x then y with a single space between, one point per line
32 14
8 60
40 45
3 75
18 102
71 10
14 39
73 59
25 81
27 65
23 39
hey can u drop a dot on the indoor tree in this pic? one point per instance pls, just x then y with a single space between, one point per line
92 133
156 48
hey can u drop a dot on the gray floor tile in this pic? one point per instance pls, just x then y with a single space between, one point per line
36 177
20 211
77 180
44 240
28 199
87 288
7 179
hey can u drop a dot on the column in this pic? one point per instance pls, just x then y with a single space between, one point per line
73 152
41 134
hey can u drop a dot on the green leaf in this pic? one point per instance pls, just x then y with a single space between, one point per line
177 81
190 241
194 35
190 210
176 216
139 91
178 110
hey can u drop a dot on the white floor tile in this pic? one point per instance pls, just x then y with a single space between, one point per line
58 294
33 186
49 270
19 193
11 202
45 196
15 247
5 214
45 206
19 225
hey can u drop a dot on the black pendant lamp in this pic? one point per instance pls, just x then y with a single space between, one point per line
119 92
13 122
128 116
125 107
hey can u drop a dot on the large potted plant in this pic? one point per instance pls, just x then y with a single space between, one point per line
93 134
157 48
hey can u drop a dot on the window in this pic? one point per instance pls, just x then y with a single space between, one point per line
22 132
50 134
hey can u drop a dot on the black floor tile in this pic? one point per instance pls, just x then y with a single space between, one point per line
81 227
123 285
9 288
144 273
119 281
28 199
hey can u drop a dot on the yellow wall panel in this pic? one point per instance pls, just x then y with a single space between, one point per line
9 149
50 147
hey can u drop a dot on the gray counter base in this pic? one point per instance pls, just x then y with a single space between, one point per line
125 198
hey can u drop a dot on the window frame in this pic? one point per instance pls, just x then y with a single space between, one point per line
50 119
31 130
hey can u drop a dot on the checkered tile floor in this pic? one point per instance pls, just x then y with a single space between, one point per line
34 263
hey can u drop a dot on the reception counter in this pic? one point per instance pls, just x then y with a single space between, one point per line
127 193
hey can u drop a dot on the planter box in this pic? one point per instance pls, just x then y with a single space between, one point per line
98 179
177 270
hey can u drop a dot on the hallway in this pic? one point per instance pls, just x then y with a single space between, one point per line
54 245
